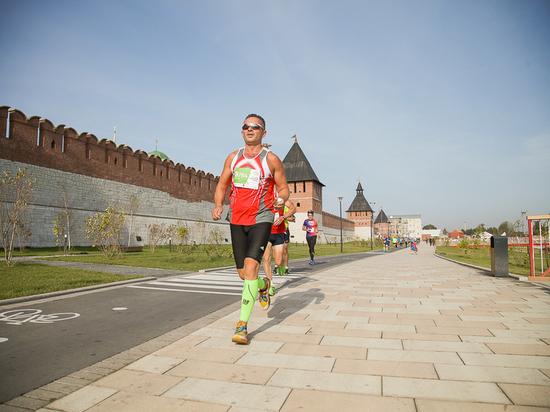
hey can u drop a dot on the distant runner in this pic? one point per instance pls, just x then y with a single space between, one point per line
310 226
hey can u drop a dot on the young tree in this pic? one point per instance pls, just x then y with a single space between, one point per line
61 230
16 198
62 225
103 230
464 244
132 208
215 239
179 234
200 231
157 233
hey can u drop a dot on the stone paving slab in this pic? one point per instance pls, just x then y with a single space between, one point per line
394 332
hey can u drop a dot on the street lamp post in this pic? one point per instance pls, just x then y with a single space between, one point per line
341 244
371 226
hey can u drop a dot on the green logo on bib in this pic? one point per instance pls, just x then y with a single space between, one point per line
241 175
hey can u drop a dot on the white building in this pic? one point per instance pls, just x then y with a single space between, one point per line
406 226
432 233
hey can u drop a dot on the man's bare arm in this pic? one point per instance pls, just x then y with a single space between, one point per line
221 188
278 172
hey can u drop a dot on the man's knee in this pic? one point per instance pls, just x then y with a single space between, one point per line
251 268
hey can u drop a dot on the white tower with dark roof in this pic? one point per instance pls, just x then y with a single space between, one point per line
361 213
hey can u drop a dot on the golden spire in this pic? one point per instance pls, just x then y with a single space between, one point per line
295 139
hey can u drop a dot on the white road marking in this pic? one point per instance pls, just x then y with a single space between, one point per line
221 282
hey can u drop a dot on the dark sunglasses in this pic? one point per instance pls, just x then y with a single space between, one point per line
255 126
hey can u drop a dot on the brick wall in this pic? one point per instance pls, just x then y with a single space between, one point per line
100 175
38 142
332 221
88 195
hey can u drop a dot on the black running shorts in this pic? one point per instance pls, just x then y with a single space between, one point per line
277 239
249 241
287 235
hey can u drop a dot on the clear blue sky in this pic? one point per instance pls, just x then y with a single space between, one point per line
440 107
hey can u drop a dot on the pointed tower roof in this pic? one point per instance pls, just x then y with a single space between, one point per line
297 167
359 204
381 218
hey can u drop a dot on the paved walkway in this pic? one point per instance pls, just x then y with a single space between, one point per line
396 332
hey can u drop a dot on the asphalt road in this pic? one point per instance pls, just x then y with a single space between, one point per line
47 340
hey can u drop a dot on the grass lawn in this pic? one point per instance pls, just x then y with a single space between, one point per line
518 259
26 279
49 251
198 259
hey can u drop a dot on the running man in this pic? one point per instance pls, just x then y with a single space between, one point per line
287 240
310 226
252 171
276 243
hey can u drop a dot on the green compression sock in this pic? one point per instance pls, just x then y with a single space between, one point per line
281 270
250 291
261 283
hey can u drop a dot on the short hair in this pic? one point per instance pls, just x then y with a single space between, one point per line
255 115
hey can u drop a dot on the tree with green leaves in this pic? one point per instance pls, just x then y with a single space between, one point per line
464 244
157 233
16 198
505 227
103 230
61 230
429 227
479 229
179 233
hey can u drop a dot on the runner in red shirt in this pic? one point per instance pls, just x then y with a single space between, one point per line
252 172
276 242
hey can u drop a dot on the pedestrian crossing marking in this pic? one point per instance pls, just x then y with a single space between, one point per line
221 282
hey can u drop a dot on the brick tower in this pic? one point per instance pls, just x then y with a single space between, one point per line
382 224
360 212
306 191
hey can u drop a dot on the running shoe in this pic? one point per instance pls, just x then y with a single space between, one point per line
263 296
272 290
241 334
286 271
275 270
311 262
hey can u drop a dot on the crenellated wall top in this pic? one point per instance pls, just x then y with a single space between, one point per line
61 147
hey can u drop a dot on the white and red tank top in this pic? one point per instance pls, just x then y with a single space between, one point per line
251 197
282 227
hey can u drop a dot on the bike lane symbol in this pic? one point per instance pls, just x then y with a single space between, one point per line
20 316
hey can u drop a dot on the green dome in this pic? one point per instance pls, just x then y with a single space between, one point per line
159 154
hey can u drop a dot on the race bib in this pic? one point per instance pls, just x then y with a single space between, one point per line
246 178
